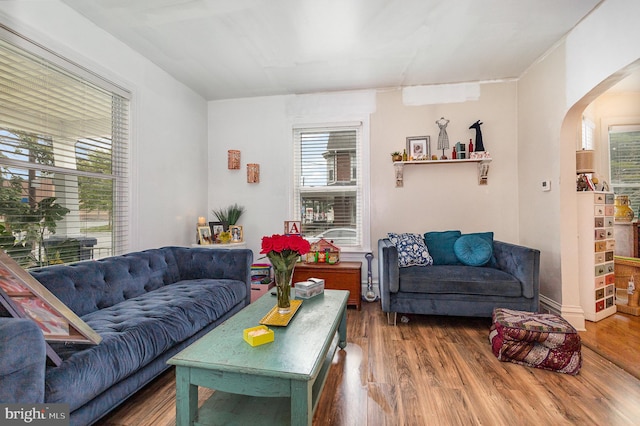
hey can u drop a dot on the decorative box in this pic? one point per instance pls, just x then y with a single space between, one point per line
259 335
311 287
323 251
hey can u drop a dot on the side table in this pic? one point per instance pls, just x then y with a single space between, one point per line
228 246
341 276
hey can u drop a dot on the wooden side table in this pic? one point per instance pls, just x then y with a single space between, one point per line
341 276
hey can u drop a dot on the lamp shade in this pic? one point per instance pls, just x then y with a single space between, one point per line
584 161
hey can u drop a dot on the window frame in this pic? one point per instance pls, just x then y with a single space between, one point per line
633 124
121 136
363 197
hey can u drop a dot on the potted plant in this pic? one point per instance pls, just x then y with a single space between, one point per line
228 216
396 156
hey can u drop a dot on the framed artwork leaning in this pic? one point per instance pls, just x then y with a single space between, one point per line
24 297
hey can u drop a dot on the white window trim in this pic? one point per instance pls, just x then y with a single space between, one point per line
28 37
352 252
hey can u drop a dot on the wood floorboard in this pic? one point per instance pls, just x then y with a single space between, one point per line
441 371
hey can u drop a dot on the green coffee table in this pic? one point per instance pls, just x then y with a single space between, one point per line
276 383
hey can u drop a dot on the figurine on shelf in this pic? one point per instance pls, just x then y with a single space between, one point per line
479 143
443 137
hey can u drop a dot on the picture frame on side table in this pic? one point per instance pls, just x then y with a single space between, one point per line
204 235
419 147
236 233
216 229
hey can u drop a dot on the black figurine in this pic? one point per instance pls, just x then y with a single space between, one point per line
479 145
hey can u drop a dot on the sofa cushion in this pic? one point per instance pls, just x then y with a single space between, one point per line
91 285
412 250
473 250
488 236
134 333
459 279
440 244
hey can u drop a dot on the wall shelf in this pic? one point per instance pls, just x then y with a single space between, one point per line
483 168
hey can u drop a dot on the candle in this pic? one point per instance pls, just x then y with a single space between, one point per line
202 220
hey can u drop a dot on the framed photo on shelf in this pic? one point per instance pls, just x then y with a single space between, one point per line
216 228
204 235
236 234
419 147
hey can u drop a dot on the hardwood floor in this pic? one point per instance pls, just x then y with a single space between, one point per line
441 371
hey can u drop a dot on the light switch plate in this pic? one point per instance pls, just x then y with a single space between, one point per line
545 185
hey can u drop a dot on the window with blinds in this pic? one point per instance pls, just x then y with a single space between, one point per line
588 130
328 183
624 161
63 159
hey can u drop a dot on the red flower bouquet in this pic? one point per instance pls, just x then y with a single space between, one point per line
283 252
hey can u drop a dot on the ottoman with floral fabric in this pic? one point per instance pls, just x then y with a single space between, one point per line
544 341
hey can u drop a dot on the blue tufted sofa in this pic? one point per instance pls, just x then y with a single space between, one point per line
146 306
512 281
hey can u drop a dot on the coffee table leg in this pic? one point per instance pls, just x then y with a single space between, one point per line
342 330
186 397
301 404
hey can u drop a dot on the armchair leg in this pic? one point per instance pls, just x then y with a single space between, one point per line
391 318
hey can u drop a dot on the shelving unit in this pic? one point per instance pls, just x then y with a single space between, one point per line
595 254
483 168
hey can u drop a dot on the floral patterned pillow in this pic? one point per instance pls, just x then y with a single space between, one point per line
412 251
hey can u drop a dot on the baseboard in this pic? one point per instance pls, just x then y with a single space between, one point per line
574 314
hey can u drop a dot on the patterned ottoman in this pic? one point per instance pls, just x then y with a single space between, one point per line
537 340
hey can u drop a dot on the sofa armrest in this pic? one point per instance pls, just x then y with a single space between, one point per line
521 262
22 361
388 271
199 262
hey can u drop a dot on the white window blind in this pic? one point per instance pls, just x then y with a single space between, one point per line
63 159
588 129
624 155
328 183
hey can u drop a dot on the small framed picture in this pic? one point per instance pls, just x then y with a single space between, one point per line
216 229
236 234
419 147
204 235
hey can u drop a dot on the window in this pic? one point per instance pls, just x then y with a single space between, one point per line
63 158
588 130
328 186
624 151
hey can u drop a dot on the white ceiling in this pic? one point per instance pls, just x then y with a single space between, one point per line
243 48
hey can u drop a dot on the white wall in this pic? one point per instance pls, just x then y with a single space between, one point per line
438 197
169 121
552 95
611 109
258 128
261 128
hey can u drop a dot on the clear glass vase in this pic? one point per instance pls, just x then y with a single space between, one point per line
283 276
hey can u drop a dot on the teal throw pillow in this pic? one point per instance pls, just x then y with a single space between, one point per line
473 250
440 246
488 236
412 250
